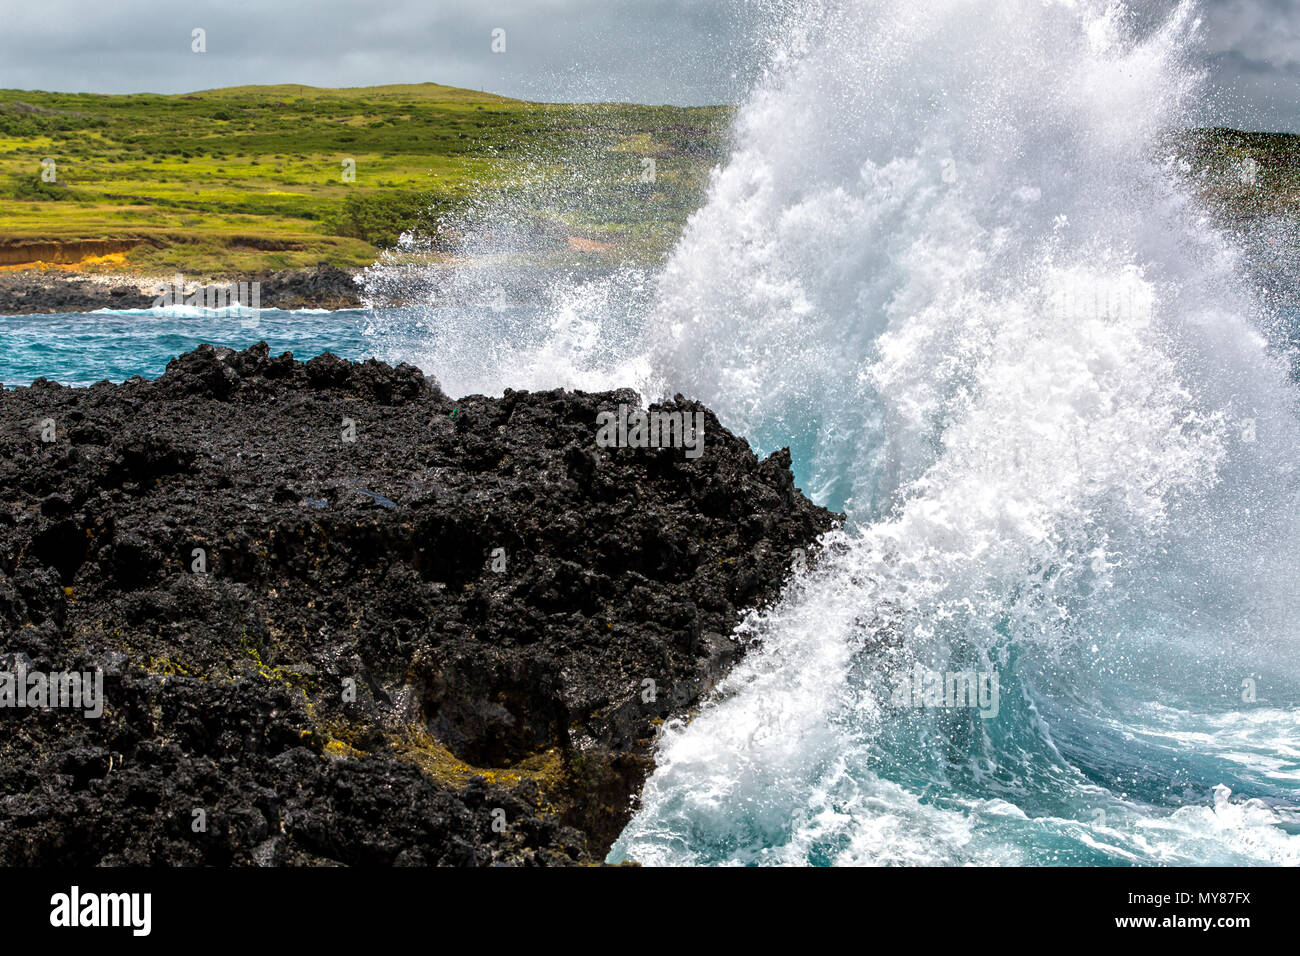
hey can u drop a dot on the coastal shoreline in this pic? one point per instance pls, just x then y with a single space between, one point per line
48 291
488 281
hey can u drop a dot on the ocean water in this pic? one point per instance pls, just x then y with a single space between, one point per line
114 345
950 264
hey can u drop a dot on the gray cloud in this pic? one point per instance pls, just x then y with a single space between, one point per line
674 51
683 51
1251 50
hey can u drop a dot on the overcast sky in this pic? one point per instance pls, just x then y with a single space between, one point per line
655 51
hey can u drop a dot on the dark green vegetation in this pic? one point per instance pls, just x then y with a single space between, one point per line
1250 182
1269 187
255 177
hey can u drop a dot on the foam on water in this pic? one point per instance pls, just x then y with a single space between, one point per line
953 265
580 332
1013 350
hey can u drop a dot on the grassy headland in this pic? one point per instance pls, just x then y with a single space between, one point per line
245 178
237 180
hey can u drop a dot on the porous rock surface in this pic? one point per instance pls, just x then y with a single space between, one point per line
448 641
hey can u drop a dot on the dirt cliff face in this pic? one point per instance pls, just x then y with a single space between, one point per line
31 251
343 619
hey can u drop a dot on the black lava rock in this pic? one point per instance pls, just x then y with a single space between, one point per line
342 619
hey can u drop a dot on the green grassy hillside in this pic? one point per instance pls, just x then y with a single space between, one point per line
247 178
253 177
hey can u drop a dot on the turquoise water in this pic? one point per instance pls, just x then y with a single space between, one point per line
83 349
